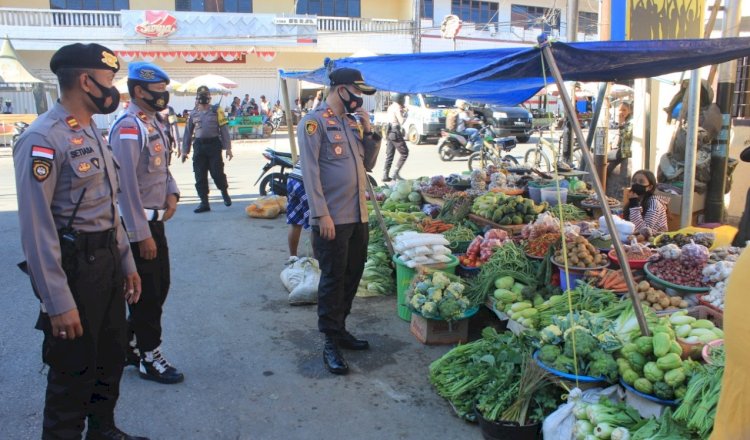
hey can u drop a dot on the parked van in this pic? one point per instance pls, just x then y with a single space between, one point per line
425 118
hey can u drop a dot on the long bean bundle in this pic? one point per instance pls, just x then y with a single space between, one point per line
508 260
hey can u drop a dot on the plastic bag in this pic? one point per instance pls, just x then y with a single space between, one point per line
301 279
267 207
559 424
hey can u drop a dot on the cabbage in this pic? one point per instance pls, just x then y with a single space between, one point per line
415 197
404 188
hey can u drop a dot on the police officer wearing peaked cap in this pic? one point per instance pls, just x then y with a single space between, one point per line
337 148
140 141
76 249
208 127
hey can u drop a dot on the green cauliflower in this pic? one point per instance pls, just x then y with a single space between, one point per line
440 280
551 334
585 341
449 309
603 365
564 364
456 288
435 294
609 342
417 301
429 309
548 354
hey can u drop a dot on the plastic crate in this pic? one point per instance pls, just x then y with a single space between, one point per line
404 276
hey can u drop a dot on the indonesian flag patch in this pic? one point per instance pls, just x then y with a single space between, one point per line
42 152
129 133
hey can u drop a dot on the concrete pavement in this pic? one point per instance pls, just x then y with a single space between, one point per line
252 363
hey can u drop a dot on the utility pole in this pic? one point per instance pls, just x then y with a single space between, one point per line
602 126
572 36
725 90
417 39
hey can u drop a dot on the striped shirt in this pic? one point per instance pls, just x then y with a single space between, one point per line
655 217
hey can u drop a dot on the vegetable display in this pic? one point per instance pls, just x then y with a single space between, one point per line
482 247
403 197
507 260
605 420
569 212
652 364
378 276
581 254
457 206
539 245
438 295
718 273
703 238
506 210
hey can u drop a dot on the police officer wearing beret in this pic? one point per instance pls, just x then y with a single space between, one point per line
140 141
77 251
208 126
338 146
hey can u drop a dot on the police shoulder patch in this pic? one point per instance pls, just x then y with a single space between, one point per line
311 127
41 169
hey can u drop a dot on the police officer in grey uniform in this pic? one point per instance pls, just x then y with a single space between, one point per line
396 115
140 141
208 126
337 146
77 252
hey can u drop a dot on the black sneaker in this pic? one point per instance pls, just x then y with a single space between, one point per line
110 433
155 367
132 357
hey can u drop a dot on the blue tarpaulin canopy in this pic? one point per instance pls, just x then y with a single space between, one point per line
510 76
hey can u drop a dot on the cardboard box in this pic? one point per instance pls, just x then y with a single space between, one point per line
674 216
438 332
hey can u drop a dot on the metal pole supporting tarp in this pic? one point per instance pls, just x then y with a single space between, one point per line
546 49
691 148
289 118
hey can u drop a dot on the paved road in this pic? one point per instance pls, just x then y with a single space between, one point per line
252 363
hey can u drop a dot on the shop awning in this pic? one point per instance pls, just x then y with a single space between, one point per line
510 76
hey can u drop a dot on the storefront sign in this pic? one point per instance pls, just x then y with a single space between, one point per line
296 21
157 24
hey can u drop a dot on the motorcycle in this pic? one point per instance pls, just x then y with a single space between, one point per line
275 120
453 145
18 129
275 183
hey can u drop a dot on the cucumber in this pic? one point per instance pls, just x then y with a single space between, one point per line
517 307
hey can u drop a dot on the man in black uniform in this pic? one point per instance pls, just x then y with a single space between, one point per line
396 116
208 125
77 251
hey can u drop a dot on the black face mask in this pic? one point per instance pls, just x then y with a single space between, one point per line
106 92
353 102
638 189
158 101
204 99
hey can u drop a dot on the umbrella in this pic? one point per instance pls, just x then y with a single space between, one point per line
215 83
618 91
12 71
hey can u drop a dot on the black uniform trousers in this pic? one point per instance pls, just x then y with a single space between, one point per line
84 373
395 142
207 158
342 261
145 315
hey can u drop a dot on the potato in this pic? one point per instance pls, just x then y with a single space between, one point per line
598 258
643 286
641 296
650 297
657 307
664 302
683 304
675 301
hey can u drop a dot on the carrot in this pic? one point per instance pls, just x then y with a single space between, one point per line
618 286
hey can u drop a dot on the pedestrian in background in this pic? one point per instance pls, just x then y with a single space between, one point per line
76 250
337 148
396 115
139 139
318 99
622 154
208 126
236 108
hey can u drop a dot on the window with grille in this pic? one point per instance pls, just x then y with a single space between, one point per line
588 23
475 11
741 98
535 17
214 5
330 8
90 5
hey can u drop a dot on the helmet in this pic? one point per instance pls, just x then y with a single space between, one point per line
203 90
460 103
398 97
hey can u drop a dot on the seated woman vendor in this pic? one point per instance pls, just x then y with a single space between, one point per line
647 211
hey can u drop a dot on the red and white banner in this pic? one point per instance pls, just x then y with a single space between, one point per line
189 56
